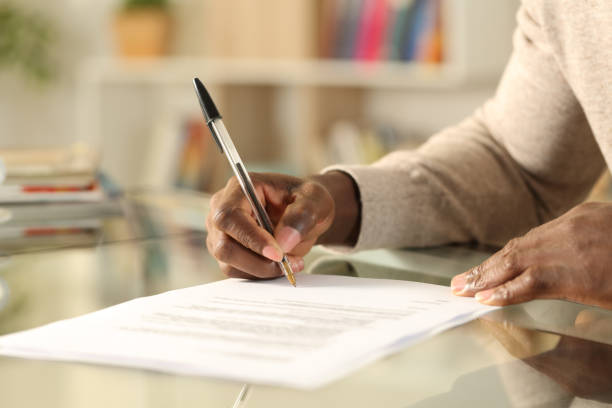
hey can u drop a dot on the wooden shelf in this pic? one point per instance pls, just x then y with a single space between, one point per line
321 73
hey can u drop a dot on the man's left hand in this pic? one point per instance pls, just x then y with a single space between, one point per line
567 258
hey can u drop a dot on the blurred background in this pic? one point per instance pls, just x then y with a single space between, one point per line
301 83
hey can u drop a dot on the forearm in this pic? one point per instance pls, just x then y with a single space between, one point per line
525 157
461 186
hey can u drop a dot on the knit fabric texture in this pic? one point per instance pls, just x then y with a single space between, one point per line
526 156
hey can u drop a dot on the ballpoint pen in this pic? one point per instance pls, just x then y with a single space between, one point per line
223 140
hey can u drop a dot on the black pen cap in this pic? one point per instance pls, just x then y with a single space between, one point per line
208 106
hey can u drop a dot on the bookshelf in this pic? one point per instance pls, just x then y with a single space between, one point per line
304 94
313 73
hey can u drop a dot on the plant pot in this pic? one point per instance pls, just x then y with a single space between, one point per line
142 33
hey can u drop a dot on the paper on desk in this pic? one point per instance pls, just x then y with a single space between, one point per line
259 332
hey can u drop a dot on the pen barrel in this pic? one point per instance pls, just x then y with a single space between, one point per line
227 146
249 191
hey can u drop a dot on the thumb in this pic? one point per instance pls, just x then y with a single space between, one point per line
307 217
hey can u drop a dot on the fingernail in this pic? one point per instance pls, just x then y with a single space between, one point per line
272 253
288 238
458 283
485 295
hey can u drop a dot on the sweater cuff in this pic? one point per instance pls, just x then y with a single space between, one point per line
368 181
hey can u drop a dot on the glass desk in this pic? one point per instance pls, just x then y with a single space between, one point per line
540 354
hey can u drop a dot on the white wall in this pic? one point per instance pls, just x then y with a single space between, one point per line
35 115
32 114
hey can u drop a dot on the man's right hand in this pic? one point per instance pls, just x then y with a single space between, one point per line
304 212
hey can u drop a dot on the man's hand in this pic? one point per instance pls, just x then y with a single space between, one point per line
568 258
320 209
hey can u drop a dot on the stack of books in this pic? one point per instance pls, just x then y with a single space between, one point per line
374 30
50 175
52 198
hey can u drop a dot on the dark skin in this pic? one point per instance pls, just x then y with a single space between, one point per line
316 210
567 258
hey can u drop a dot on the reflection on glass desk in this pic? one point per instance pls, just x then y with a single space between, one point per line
541 354
135 216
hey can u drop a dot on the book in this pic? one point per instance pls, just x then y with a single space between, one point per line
434 48
395 27
415 28
349 29
428 47
50 175
328 27
372 30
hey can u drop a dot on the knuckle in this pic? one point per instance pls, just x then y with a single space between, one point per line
250 239
504 294
510 246
223 249
477 277
510 261
532 281
225 217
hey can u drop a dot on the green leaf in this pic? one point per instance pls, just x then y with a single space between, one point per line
136 4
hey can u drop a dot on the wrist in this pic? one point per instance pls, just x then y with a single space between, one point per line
346 224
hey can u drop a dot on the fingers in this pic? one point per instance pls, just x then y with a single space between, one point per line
232 215
499 268
308 216
301 210
506 278
527 286
236 261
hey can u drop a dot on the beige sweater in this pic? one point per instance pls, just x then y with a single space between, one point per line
526 156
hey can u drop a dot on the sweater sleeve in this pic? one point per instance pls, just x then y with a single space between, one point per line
526 156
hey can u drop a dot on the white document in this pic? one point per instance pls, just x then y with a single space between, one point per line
259 332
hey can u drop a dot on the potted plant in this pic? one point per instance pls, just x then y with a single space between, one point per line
25 42
142 28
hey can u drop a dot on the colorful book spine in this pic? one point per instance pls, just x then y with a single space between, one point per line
415 30
374 30
434 52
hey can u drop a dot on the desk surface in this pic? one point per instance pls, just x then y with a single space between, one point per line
544 353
